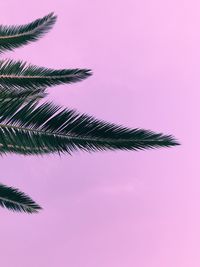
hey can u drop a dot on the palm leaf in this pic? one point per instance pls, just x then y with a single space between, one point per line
18 75
15 36
31 129
12 199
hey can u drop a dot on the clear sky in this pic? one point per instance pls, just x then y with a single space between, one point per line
114 209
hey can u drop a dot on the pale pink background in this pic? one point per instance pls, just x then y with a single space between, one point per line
119 209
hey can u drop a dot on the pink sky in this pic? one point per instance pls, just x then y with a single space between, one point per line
115 209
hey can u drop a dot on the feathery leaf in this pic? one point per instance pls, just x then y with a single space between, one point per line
12 199
18 75
15 36
31 129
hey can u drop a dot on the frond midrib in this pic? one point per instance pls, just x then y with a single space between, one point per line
36 76
75 137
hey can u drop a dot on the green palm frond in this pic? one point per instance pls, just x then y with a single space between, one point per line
31 129
15 36
18 75
12 199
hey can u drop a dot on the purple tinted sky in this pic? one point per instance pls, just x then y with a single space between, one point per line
113 209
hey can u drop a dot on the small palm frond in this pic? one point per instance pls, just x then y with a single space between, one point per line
18 75
31 129
12 199
15 36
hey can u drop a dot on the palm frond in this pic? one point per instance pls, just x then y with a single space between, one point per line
15 36
12 199
18 75
31 129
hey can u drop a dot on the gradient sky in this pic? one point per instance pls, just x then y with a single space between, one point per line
114 209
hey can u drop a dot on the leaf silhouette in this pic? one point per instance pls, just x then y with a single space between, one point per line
12 199
15 36
18 76
31 129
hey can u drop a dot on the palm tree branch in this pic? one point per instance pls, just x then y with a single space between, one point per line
78 138
19 76
11 198
32 129
15 36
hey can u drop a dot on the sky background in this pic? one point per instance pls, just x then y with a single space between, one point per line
113 209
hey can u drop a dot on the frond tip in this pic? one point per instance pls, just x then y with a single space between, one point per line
12 199
15 36
18 75
31 129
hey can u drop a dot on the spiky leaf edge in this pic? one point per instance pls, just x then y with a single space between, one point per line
15 200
